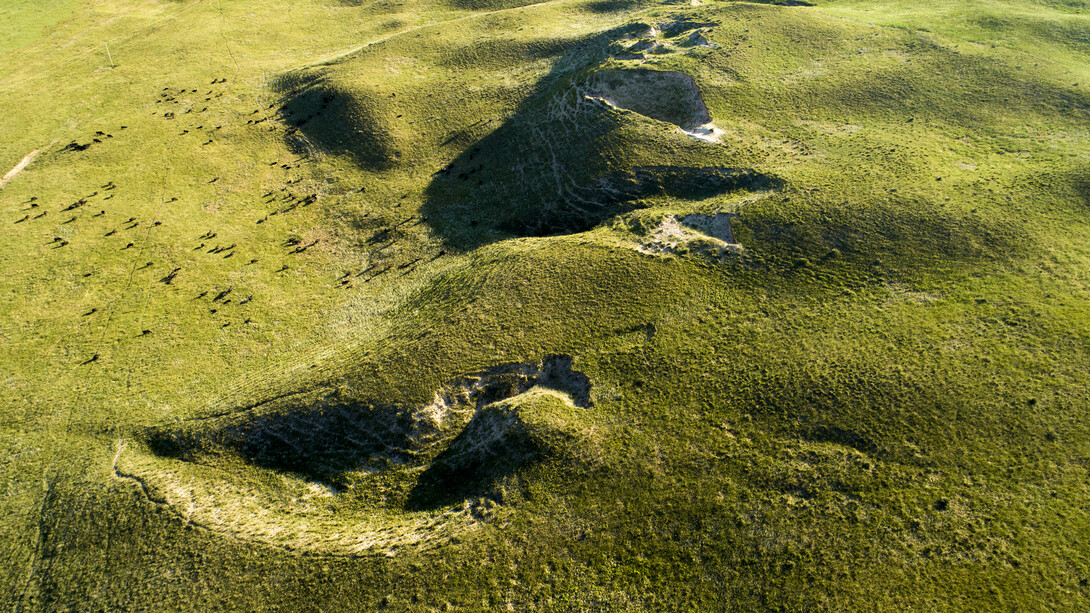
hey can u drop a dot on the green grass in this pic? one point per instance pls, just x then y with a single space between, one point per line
28 21
879 404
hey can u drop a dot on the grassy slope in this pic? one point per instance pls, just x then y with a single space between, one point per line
882 404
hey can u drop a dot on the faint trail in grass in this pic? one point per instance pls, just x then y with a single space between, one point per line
19 167
47 497
65 65
226 43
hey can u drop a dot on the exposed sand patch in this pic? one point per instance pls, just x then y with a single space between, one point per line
669 96
899 293
697 39
707 132
694 233
827 127
19 167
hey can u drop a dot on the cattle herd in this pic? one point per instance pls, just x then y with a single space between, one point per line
132 234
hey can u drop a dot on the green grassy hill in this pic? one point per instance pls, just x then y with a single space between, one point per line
577 305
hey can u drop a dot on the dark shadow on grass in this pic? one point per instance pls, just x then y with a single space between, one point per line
325 117
494 445
489 5
324 438
563 162
612 6
320 441
901 233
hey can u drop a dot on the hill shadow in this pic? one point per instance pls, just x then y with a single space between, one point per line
566 160
326 117
462 444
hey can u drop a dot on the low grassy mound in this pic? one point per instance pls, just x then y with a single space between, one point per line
383 477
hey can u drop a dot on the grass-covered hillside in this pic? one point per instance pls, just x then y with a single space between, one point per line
598 305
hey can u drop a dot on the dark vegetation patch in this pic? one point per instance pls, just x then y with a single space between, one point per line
611 6
797 226
489 5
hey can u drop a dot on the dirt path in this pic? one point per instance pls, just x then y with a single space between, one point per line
19 167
